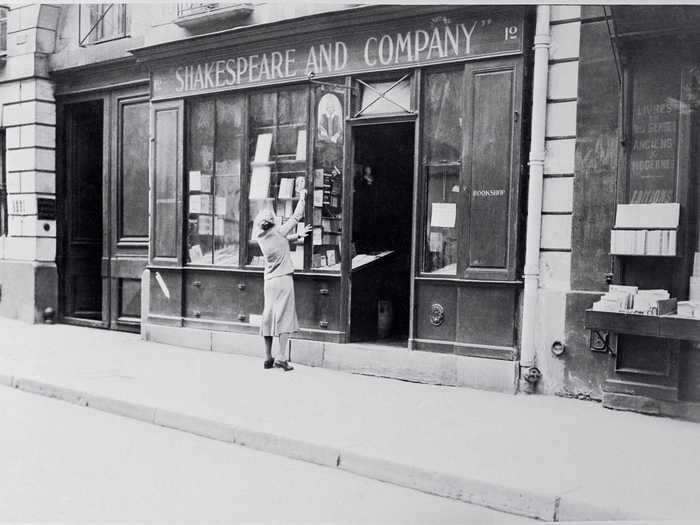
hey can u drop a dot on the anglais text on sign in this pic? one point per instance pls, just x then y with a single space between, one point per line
433 40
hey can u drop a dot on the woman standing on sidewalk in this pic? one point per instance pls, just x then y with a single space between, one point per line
279 318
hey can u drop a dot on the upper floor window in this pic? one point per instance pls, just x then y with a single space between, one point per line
4 12
102 22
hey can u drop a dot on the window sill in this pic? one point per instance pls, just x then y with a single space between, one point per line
216 14
105 40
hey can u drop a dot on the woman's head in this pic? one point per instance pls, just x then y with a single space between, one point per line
265 219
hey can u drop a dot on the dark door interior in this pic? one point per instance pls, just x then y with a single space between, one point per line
81 272
382 222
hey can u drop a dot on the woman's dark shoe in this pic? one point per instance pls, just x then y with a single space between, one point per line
284 365
269 363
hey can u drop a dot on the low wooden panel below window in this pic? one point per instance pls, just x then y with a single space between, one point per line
130 298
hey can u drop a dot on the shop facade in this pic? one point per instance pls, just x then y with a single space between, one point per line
409 145
464 166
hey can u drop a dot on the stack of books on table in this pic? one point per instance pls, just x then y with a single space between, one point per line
618 299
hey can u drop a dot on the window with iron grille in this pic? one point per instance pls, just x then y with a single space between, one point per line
196 8
3 186
102 22
4 11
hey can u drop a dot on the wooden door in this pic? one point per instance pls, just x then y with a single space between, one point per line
128 236
81 268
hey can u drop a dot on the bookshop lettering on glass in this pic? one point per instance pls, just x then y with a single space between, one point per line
408 143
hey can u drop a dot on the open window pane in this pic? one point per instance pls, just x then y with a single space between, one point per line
442 233
278 144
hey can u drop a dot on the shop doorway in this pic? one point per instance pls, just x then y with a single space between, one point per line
81 260
383 178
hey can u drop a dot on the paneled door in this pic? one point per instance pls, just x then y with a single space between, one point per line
128 238
80 262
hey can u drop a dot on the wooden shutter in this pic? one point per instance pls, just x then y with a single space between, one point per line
491 169
166 183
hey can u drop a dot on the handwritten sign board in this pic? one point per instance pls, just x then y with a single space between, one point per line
655 111
419 41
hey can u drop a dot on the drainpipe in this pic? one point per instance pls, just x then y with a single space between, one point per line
534 198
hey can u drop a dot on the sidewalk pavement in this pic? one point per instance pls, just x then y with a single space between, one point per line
538 456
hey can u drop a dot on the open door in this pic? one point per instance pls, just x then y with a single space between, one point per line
381 232
81 272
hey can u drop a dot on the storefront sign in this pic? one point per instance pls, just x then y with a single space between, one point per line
652 162
431 40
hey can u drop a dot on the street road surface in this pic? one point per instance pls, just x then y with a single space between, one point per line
66 463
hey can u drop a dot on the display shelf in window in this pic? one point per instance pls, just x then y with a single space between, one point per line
649 230
278 166
326 188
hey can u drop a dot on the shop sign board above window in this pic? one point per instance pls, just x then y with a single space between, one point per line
421 41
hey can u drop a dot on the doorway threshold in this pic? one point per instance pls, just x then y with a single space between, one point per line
390 345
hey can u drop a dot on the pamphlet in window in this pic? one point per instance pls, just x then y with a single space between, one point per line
195 253
299 184
195 202
435 241
220 206
330 256
444 215
262 147
318 237
301 145
318 198
219 227
318 178
205 206
195 181
260 182
205 225
205 184
286 188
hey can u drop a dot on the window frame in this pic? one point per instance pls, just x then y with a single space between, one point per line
88 39
243 187
465 272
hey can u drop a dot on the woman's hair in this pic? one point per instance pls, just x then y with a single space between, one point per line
265 220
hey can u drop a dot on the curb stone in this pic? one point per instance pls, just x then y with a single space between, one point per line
502 498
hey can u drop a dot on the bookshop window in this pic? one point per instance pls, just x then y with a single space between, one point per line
327 192
278 125
215 134
443 138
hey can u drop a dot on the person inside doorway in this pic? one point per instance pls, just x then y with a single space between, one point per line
366 212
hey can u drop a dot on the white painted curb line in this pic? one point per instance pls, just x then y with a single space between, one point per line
523 502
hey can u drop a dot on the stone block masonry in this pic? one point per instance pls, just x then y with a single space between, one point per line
28 282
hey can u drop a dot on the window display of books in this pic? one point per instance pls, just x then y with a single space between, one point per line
327 218
645 229
630 299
